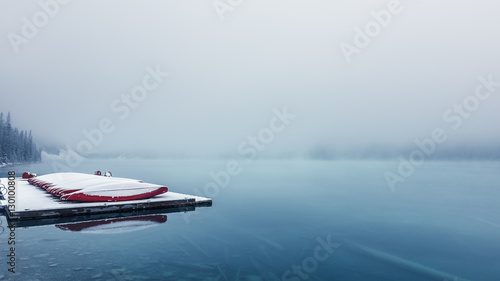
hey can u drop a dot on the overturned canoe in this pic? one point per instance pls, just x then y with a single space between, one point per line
67 187
118 191
94 188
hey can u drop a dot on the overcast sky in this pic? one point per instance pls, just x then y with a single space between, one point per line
229 69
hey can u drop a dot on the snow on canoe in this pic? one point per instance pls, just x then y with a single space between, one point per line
94 188
50 180
76 185
116 191
118 225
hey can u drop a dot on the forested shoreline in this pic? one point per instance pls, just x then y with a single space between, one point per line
16 146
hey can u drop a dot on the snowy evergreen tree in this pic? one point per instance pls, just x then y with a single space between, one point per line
16 146
1 138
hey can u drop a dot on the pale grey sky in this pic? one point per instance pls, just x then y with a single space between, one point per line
226 76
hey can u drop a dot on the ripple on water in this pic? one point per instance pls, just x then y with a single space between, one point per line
167 274
41 255
252 278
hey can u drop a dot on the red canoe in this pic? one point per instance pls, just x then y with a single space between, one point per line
94 188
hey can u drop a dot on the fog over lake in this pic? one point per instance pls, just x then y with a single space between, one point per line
363 79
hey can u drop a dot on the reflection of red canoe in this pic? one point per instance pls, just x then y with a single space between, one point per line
94 188
118 225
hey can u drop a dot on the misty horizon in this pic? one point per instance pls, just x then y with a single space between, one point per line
179 79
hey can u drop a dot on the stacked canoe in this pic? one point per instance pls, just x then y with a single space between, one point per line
95 188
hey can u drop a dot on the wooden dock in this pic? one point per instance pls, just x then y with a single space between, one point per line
33 203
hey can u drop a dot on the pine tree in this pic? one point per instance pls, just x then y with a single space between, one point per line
14 145
23 146
1 137
30 154
7 138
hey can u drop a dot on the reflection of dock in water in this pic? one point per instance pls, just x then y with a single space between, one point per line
116 225
34 203
90 218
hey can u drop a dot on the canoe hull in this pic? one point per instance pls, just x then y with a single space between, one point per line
82 196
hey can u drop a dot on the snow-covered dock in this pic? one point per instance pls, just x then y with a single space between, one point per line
32 202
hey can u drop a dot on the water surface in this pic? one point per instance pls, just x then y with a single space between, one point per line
273 220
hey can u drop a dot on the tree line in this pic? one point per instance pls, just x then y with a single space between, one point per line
16 146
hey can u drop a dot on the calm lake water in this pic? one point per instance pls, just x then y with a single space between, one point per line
281 220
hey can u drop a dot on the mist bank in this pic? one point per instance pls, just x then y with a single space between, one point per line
452 152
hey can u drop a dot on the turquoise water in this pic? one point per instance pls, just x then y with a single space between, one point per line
283 220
